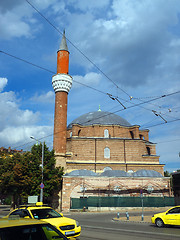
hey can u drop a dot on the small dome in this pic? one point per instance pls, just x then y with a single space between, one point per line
115 173
100 117
82 172
146 173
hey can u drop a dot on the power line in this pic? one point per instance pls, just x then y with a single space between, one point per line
18 58
77 48
165 95
163 123
86 56
35 65
108 94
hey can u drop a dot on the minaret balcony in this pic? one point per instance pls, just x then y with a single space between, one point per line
62 82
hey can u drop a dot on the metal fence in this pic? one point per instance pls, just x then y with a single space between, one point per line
80 203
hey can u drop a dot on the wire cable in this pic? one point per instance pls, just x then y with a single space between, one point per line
76 48
37 66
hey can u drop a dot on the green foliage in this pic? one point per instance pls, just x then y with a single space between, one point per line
166 174
21 174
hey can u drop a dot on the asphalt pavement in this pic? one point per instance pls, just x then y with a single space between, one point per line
124 215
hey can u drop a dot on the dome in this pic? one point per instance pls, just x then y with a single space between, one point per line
99 117
82 172
115 173
147 173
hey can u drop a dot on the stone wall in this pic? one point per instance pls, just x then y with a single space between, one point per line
102 186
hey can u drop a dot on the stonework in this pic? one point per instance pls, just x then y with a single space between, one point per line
106 186
129 149
62 82
100 141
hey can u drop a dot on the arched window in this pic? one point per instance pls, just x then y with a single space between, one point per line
107 169
79 132
106 133
106 152
148 150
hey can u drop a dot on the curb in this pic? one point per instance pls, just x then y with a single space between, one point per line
132 221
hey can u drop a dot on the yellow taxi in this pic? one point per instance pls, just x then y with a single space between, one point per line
69 227
170 217
29 229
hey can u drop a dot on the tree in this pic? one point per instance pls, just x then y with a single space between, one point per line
166 174
21 174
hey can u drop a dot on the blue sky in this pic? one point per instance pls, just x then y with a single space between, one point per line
135 44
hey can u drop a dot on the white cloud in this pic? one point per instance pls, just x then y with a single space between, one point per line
17 125
16 19
12 115
89 79
3 83
89 5
132 40
44 98
15 136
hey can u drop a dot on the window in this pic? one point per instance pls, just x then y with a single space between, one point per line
106 133
174 210
21 213
106 152
31 232
79 132
107 169
148 150
132 134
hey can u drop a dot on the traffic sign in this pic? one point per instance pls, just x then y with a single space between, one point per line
42 185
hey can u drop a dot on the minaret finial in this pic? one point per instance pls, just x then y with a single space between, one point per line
63 45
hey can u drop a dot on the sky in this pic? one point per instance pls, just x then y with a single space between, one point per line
121 48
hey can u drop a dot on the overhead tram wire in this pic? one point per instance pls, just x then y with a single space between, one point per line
77 48
134 105
50 135
46 19
163 123
96 67
35 65
18 58
165 95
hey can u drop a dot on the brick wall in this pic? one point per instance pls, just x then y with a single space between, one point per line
129 147
122 151
72 187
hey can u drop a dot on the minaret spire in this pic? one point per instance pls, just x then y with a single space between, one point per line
63 45
62 83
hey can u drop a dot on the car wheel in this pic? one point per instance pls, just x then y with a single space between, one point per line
159 222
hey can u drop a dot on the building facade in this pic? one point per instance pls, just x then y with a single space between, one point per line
100 140
101 150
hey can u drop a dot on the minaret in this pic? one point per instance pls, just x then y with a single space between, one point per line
62 83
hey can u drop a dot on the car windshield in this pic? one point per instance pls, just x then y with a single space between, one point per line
45 213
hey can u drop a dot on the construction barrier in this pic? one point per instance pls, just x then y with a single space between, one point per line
80 203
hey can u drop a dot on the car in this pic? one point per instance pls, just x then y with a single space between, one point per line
169 217
69 227
28 229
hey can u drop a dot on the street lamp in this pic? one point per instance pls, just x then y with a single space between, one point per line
42 163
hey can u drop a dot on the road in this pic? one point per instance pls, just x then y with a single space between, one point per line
101 226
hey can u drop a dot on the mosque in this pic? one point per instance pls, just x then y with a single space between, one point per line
101 150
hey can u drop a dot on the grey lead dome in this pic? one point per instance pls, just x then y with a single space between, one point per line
147 173
100 117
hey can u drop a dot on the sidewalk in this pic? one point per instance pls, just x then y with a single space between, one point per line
147 219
